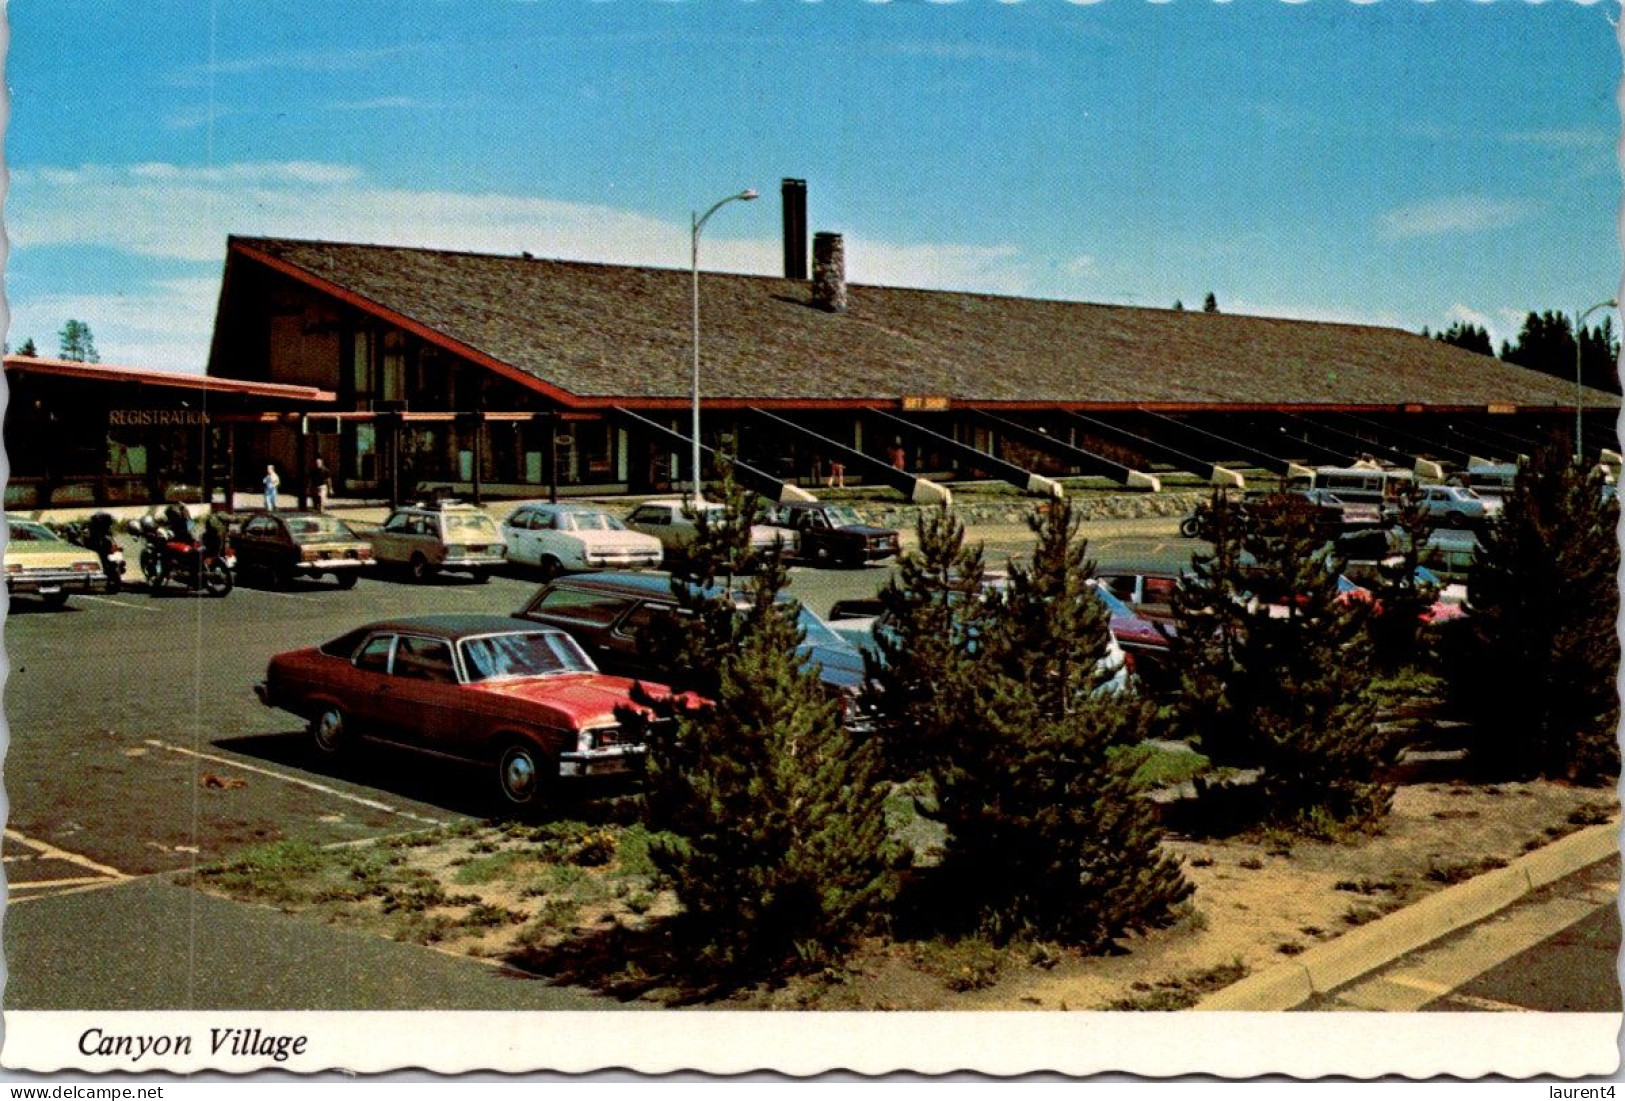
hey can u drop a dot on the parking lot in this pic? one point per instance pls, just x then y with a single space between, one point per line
138 746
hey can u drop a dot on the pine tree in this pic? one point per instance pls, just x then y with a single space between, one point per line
1402 600
1538 671
1274 667
1210 304
1046 834
933 613
76 343
776 833
28 348
780 856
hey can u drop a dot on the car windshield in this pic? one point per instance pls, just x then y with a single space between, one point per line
842 516
458 523
314 529
523 654
589 521
23 531
818 632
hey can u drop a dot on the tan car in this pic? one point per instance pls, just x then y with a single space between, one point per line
285 545
41 563
672 522
426 540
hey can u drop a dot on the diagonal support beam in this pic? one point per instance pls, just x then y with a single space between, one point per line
1433 448
1085 460
921 491
1275 464
1159 451
1424 468
979 461
750 477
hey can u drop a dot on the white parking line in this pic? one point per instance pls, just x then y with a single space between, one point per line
286 596
47 851
120 603
299 781
76 881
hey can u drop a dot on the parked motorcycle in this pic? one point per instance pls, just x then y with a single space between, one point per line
96 534
170 552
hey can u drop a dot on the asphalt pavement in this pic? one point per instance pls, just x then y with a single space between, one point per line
138 749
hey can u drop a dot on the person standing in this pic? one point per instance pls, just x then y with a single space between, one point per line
321 482
271 484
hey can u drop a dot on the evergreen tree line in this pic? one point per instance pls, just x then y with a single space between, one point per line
995 715
1546 344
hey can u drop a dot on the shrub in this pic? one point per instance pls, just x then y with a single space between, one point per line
1274 668
1536 669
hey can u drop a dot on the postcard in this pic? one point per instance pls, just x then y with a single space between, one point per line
864 536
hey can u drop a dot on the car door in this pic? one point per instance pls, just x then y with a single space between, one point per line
366 696
390 544
517 533
422 701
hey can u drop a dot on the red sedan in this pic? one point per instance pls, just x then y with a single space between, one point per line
522 700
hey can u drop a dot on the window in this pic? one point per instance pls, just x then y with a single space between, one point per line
262 526
654 517
640 619
344 646
597 609
401 522
374 656
424 659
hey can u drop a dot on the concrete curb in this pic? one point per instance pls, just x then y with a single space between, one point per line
1374 945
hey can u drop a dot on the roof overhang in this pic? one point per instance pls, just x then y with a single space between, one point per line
177 380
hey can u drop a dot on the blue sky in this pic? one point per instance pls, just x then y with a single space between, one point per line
1397 162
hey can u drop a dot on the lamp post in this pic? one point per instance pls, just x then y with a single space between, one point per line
1579 389
694 260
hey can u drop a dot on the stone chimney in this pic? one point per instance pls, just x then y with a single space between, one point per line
795 228
829 272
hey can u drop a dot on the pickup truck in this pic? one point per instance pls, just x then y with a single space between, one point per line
831 534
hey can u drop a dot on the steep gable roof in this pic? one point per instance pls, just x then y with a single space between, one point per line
593 334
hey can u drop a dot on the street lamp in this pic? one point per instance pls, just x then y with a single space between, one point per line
1579 390
694 257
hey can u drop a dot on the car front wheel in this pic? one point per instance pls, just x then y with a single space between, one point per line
330 732
345 580
522 774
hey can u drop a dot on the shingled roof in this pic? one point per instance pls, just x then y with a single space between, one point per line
606 334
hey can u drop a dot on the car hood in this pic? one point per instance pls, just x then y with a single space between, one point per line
586 699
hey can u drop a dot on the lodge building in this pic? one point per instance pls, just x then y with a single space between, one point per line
508 375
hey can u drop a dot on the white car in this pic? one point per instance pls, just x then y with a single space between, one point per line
672 522
555 538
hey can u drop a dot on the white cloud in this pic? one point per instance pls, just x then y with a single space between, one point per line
179 213
1457 214
167 325
1082 267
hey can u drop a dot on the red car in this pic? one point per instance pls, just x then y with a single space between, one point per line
522 700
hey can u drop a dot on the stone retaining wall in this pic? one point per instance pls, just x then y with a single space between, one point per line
1016 510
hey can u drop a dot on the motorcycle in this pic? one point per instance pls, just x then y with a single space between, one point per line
96 534
171 553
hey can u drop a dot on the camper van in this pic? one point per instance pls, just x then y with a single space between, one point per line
1492 481
1367 485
